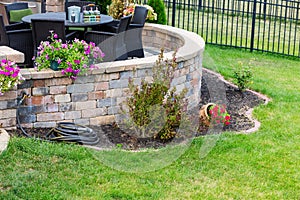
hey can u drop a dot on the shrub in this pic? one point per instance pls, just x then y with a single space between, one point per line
129 10
115 9
155 108
159 7
242 76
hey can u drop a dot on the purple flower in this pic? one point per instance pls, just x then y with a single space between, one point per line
55 35
76 71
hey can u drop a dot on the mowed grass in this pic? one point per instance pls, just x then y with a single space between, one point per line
261 165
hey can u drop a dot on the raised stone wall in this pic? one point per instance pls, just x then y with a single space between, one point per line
95 99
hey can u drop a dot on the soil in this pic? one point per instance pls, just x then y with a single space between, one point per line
213 89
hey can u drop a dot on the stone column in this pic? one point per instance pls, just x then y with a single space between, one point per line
55 5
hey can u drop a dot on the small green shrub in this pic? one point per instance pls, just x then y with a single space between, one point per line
159 8
242 76
155 108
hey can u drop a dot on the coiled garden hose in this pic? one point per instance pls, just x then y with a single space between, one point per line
70 132
64 131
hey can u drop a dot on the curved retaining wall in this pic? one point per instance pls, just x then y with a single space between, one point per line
94 99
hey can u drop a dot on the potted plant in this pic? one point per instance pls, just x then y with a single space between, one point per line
10 76
73 58
214 114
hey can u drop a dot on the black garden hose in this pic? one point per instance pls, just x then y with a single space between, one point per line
70 132
64 131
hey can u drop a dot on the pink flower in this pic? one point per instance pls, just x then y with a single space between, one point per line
64 46
69 69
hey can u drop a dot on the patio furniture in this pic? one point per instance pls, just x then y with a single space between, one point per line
15 11
62 16
18 39
112 44
3 35
133 39
41 31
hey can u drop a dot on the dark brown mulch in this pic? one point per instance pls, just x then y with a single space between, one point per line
213 89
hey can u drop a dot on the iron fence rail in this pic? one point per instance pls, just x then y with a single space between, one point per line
262 25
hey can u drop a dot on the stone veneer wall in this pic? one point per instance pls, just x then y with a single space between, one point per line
95 99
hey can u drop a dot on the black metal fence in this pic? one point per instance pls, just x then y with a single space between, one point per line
263 25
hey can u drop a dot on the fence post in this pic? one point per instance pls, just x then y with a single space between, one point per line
253 26
173 12
265 9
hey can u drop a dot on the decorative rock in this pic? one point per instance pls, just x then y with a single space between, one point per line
4 139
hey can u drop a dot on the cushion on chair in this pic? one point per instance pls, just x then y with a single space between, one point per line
16 15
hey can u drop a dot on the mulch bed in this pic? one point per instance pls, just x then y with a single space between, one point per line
213 89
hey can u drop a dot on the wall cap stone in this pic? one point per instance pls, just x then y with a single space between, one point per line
193 45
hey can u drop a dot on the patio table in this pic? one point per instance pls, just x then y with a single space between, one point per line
62 16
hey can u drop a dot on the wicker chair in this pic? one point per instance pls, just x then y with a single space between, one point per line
133 38
41 31
14 7
112 44
19 39
3 35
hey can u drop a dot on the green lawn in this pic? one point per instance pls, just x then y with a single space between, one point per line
261 165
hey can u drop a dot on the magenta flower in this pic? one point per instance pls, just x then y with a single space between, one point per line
76 71
9 75
69 69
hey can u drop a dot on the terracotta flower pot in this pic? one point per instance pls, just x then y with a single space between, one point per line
203 114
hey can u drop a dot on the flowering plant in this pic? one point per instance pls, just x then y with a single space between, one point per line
218 115
9 75
72 59
130 10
